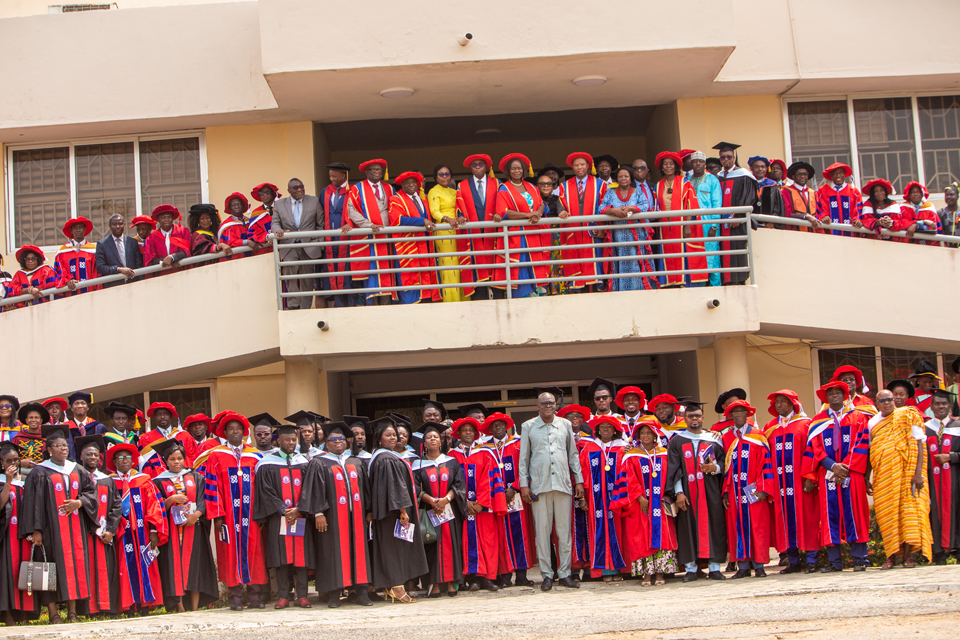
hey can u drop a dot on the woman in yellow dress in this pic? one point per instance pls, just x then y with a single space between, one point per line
443 208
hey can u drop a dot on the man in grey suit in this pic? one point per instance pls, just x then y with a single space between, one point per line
299 212
117 253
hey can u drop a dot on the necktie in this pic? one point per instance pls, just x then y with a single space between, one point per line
125 497
376 190
296 213
166 240
81 428
940 430
480 188
120 252
580 187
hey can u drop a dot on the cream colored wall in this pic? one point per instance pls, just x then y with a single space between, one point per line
241 157
663 132
775 363
755 122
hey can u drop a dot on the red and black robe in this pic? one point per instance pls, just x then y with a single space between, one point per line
436 478
186 560
279 482
738 188
104 572
14 550
944 484
701 527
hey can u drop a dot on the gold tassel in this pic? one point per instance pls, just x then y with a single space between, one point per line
530 170
386 175
593 169
490 172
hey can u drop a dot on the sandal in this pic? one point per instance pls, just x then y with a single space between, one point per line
909 563
646 581
72 618
660 581
608 578
56 619
399 593
889 564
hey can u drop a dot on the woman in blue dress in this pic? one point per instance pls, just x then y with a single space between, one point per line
621 202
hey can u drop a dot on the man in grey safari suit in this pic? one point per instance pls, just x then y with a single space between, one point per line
299 212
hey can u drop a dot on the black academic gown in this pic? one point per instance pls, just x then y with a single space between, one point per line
13 551
278 487
705 494
436 479
391 488
770 203
65 538
935 480
737 189
186 560
340 491
102 561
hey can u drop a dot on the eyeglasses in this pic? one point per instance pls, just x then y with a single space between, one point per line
548 183
6 406
61 445
599 398
443 174
300 188
336 439
884 400
548 403
121 456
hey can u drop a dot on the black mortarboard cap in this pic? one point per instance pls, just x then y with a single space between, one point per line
737 392
82 442
350 421
300 418
334 427
427 427
427 403
725 146
556 391
319 418
944 393
466 409
400 419
167 447
291 429
601 382
49 430
263 419
380 423
694 403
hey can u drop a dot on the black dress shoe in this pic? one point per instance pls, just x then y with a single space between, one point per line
859 567
810 568
547 584
791 568
569 583
236 607
256 604
363 599
760 572
690 576
526 582
334 602
701 575
829 569
742 573
731 566
485 583
716 575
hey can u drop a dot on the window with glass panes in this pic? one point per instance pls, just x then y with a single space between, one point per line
97 179
900 139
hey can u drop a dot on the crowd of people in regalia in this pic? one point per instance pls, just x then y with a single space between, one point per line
605 255
162 510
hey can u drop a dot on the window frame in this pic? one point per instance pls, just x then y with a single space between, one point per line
72 144
852 127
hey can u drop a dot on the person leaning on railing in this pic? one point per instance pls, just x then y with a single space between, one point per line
519 200
799 201
442 204
117 253
880 212
621 202
553 208
675 193
408 208
920 212
171 242
33 277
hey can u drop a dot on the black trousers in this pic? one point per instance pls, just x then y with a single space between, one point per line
283 581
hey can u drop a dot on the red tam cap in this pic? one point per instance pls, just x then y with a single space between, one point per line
741 404
473 422
229 416
255 194
235 194
599 420
162 405
580 154
494 417
848 368
575 408
199 417
68 226
783 166
847 171
478 156
410 174
28 248
166 208
822 391
143 220
117 448
368 163
625 391
663 398
683 153
911 185
63 403
787 393
868 188
510 157
663 155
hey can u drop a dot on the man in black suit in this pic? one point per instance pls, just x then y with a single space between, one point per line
118 253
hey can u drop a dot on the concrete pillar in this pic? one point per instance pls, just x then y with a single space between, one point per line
302 379
730 362
338 395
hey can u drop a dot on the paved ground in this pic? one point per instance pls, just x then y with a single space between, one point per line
922 603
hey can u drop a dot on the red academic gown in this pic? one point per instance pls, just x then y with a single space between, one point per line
364 200
481 532
844 511
517 540
155 247
470 207
796 514
749 525
43 277
229 495
580 530
510 198
77 262
403 211
842 206
798 202
600 464
644 475
587 204
684 197
233 232
142 513
925 216
258 227
150 461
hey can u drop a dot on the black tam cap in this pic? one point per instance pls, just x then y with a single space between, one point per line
339 166
200 209
264 420
114 407
614 165
926 368
352 421
737 393
552 167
